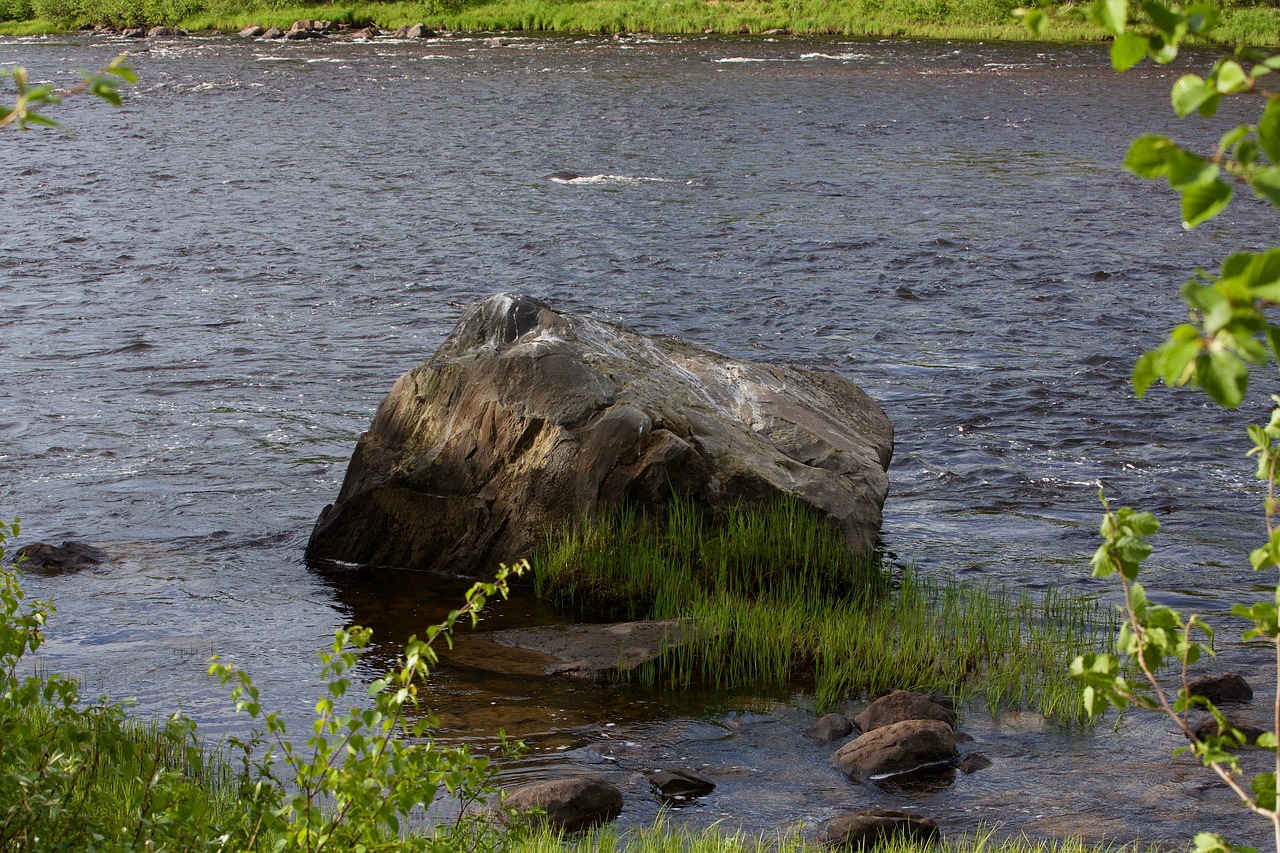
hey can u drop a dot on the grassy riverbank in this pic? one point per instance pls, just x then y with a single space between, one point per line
778 601
1244 21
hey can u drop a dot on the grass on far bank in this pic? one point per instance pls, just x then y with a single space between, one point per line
1243 22
778 601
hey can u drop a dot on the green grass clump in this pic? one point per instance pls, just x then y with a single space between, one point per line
666 837
778 600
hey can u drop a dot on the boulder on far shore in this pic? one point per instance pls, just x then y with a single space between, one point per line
528 418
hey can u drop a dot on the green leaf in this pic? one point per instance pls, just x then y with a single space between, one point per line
1144 373
1149 156
1230 78
1247 151
1203 202
1201 17
1128 50
1189 93
1267 740
1190 170
1224 377
1269 130
1273 340
1264 789
1266 184
1111 15
1164 19
1035 20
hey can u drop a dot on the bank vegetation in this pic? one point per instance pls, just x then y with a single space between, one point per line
1244 21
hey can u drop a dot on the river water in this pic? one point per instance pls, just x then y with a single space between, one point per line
205 294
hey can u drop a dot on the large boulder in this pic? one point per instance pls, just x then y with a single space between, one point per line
527 418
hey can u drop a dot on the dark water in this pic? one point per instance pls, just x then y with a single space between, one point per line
204 295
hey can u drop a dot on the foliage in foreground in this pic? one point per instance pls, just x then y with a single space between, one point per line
82 776
1229 331
776 598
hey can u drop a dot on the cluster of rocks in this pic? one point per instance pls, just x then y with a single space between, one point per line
902 733
307 29
142 32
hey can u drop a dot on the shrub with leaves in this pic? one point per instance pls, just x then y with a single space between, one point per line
1230 329
362 773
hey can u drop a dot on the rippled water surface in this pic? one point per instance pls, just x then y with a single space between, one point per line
204 295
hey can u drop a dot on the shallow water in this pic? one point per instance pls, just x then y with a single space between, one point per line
204 295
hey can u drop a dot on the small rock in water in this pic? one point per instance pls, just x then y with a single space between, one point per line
133 33
1250 730
899 748
973 762
680 783
569 804
869 827
420 31
166 32
272 34
1227 687
903 705
251 32
829 728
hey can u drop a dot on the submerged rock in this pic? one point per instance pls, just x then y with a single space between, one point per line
1250 730
973 762
527 418
869 827
898 748
68 557
903 705
680 783
600 650
569 804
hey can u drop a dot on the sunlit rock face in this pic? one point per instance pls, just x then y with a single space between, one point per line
528 417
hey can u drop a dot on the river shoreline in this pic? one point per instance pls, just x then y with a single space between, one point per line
989 21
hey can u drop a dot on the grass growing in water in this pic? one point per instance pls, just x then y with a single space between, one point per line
777 599
665 837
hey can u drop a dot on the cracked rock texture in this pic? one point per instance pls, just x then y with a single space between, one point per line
528 417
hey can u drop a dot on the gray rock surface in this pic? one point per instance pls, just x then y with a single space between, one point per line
570 804
527 418
597 650
869 827
903 705
898 748
829 728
